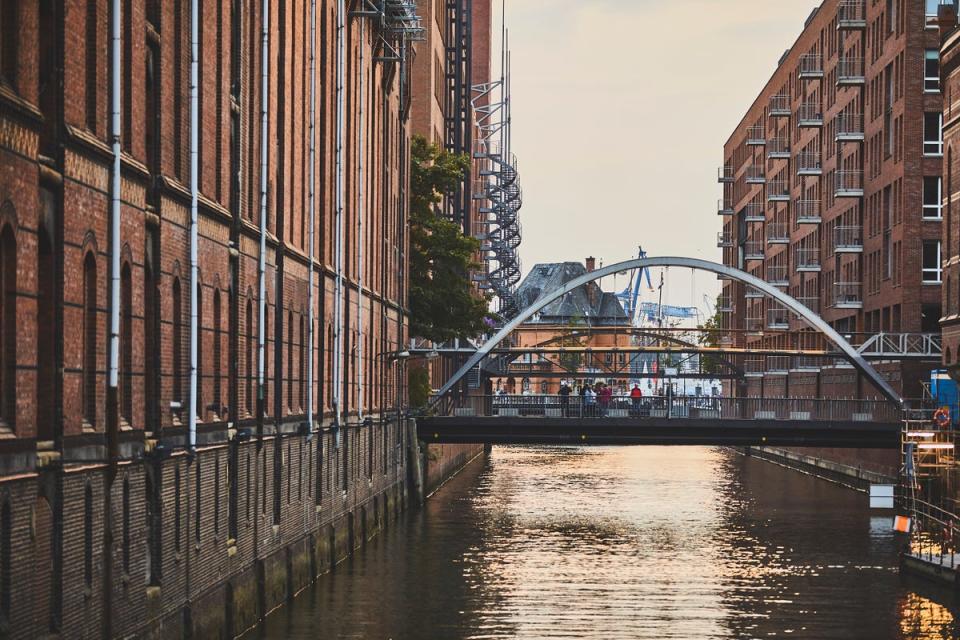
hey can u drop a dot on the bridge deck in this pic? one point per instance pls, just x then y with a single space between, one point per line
546 419
658 431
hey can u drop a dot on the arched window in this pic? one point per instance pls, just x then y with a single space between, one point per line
126 343
303 366
251 358
150 350
217 364
200 409
88 535
126 525
6 559
289 362
90 334
48 428
9 35
8 326
177 343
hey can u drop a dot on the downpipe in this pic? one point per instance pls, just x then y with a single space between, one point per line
312 214
360 213
194 189
338 247
264 166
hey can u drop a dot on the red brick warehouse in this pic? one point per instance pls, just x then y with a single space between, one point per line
107 525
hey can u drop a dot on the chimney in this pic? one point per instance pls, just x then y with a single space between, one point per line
591 264
946 20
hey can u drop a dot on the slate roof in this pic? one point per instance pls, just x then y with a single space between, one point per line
588 304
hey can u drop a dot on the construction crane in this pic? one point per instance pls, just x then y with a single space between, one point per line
650 312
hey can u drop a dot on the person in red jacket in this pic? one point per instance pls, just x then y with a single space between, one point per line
635 395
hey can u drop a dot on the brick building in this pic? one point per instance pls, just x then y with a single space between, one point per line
832 191
950 74
109 524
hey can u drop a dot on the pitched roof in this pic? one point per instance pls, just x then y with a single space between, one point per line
588 303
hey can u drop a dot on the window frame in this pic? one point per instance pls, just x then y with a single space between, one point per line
938 206
931 84
933 147
936 271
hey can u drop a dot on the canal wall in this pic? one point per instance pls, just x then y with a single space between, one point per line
853 468
202 545
442 461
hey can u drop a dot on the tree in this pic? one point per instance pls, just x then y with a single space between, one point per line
709 336
443 304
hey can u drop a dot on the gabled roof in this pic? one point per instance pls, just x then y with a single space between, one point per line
587 304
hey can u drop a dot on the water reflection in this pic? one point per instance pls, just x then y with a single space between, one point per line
629 542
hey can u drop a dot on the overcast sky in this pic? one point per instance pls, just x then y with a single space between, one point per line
620 112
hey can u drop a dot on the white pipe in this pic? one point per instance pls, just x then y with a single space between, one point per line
114 347
312 212
194 161
264 166
360 240
338 213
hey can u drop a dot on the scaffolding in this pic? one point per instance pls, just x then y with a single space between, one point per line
497 187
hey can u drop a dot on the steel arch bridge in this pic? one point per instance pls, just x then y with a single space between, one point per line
791 303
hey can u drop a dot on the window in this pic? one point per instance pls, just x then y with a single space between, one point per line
177 343
217 364
126 525
933 134
931 262
9 30
931 70
6 559
90 339
200 412
88 536
198 506
126 344
932 197
90 63
176 509
251 340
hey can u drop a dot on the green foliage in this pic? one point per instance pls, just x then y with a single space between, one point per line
418 384
443 305
570 361
710 337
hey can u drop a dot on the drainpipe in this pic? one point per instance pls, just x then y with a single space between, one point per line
114 344
194 188
338 248
264 162
360 206
312 213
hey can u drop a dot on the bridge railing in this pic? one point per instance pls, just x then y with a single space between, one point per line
694 407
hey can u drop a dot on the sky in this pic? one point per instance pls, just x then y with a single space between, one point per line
620 109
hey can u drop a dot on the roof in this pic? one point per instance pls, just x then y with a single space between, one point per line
588 304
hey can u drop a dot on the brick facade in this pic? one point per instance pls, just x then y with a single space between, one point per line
824 184
159 541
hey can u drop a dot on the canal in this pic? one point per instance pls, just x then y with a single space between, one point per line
624 542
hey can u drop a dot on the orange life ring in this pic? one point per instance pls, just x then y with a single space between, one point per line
942 416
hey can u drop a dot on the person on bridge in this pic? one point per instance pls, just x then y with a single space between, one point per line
604 395
565 399
635 395
589 400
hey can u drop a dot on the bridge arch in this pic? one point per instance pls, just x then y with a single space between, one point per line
801 310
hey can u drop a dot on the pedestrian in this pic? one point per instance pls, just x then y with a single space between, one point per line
565 399
589 399
635 395
603 396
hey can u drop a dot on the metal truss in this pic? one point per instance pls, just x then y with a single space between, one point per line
497 188
458 46
396 23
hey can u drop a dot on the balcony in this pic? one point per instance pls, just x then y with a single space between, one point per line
811 66
754 212
778 365
851 14
778 148
778 318
725 174
805 363
809 164
752 293
846 295
779 106
724 239
778 191
807 259
850 71
807 211
753 367
849 184
810 302
848 239
778 275
756 136
809 115
725 304
778 233
753 324
724 207
755 174
849 128
752 250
